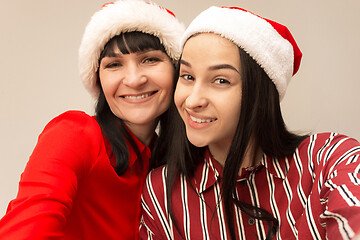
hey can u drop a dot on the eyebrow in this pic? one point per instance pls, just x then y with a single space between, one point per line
213 68
185 63
223 66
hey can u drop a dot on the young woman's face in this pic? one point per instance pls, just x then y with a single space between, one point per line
208 92
137 86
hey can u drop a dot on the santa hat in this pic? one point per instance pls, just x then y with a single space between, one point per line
125 16
269 43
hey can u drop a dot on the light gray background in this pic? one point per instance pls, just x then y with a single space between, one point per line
39 75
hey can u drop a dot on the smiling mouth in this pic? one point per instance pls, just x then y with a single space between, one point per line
142 96
198 120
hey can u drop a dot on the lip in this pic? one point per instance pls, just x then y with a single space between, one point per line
139 97
197 121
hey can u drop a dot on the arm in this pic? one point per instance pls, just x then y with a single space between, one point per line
49 182
341 191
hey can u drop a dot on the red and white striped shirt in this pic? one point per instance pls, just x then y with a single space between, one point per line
314 194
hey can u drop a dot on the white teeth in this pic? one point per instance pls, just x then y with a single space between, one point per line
198 120
138 97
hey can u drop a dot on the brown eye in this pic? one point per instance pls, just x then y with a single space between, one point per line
187 77
151 60
113 65
221 81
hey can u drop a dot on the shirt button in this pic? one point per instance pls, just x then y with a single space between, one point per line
251 221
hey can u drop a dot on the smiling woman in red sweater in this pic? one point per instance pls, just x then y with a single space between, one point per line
85 175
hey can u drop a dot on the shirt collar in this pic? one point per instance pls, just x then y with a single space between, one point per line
276 166
207 173
210 171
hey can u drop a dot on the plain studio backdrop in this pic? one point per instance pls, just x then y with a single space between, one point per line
39 70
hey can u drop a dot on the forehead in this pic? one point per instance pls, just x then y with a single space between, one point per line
211 48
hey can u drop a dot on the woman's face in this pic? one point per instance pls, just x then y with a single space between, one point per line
137 86
208 92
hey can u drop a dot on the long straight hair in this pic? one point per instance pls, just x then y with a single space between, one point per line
113 127
260 120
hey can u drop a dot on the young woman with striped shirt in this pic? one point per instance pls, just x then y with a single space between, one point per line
234 171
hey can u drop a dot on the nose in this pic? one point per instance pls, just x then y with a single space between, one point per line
134 76
197 98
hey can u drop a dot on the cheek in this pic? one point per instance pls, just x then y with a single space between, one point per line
167 89
164 77
106 82
234 118
179 96
231 107
168 85
108 90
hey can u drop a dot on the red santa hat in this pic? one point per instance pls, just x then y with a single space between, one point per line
125 16
269 43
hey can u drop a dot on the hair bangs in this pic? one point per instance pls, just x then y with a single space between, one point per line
131 42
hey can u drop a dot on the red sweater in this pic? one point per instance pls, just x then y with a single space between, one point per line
69 189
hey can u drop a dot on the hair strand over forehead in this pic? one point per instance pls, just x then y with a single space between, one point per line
131 42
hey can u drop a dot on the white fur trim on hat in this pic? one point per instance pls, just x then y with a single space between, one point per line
254 35
125 16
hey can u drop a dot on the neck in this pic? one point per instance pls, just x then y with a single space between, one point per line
220 151
251 158
252 155
144 132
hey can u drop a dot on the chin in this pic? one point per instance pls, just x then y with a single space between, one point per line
198 142
195 138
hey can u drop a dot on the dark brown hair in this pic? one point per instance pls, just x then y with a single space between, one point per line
261 119
111 126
